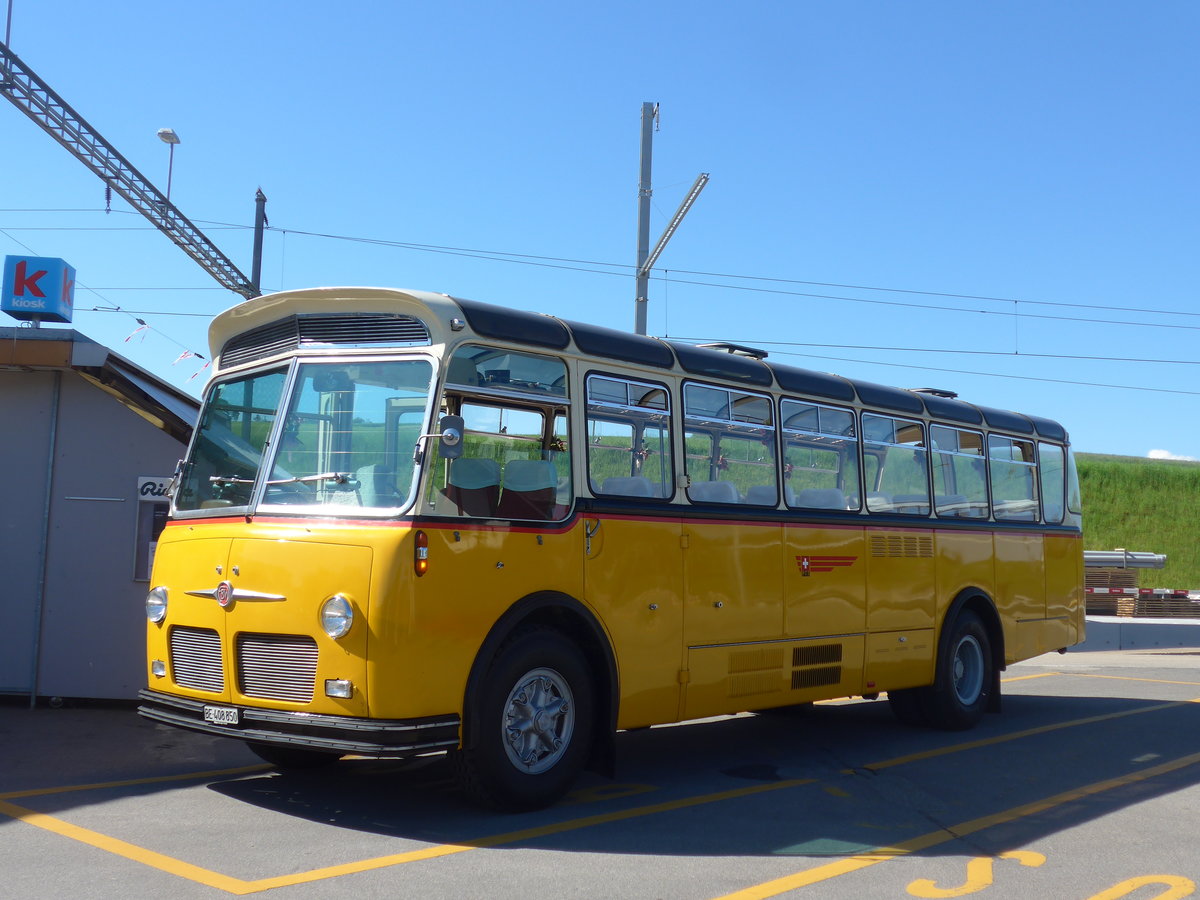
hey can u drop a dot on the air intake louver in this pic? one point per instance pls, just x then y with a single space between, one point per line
196 659
277 666
314 331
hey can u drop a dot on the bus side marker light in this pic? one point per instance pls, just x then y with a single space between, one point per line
158 668
421 553
339 687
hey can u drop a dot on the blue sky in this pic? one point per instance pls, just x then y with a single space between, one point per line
892 184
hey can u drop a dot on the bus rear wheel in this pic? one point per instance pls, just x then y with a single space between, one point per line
530 733
965 670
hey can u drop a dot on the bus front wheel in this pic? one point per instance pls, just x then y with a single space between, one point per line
530 732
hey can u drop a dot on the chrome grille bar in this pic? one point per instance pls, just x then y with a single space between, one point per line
196 659
277 666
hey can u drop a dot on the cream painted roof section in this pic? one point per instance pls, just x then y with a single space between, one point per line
332 300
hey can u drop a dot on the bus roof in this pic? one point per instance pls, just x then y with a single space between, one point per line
551 333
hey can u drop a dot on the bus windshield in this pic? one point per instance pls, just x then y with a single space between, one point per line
346 438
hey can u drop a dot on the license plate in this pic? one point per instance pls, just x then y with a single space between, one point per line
221 715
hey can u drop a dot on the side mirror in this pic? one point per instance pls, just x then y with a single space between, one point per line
450 441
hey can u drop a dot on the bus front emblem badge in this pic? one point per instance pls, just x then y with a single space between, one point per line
224 593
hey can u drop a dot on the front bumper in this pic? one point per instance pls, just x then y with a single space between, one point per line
341 734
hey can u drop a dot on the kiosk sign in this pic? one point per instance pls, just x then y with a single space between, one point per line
38 288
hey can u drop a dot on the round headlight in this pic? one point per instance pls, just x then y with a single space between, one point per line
156 605
337 615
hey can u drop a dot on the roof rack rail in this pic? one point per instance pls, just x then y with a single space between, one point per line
736 349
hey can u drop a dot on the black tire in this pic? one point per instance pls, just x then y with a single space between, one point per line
962 686
530 732
291 758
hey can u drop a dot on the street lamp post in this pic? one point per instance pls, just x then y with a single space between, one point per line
168 136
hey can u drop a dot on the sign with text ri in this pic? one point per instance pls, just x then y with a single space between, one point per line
38 288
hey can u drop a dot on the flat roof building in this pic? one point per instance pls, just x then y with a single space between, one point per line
88 442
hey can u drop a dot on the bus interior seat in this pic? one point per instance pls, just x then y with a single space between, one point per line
377 486
960 505
530 486
474 485
462 371
877 502
762 495
820 498
714 492
628 486
911 503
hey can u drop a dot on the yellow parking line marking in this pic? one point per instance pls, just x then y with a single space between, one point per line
125 849
1015 735
1131 678
239 886
527 834
1028 677
159 779
881 854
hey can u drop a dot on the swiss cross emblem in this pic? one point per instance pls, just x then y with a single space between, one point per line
815 565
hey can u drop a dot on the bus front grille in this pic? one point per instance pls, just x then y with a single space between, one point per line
277 666
196 659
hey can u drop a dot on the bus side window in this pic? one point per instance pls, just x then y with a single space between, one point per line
629 438
959 477
730 449
1012 469
820 453
1053 475
901 480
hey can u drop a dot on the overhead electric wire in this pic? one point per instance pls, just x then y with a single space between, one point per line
525 258
133 315
1011 354
872 362
561 264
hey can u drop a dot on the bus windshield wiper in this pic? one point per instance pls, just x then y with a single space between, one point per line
229 479
335 477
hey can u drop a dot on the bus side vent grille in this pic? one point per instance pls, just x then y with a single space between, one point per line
809 678
816 656
196 659
755 660
755 683
756 671
315 331
277 666
900 546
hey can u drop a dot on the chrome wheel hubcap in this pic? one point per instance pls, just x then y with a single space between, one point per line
968 670
539 718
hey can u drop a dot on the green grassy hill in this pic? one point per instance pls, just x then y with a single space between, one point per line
1146 505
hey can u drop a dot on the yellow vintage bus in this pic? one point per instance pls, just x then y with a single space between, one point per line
412 524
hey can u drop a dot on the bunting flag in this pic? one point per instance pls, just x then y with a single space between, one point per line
186 354
142 327
201 369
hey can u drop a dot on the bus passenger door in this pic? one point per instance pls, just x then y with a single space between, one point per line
1021 592
901 600
733 619
633 578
